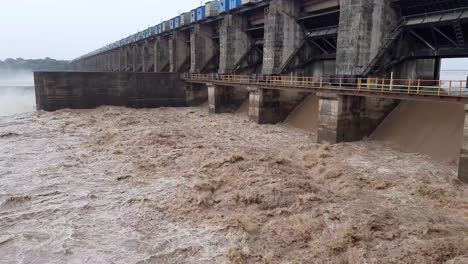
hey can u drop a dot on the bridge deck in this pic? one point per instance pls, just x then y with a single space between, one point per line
425 90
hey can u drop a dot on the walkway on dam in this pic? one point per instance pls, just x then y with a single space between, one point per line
425 90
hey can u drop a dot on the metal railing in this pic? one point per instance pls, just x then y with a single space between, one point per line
441 88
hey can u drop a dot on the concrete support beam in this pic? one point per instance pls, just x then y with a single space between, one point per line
137 57
463 163
161 54
148 56
350 118
364 26
268 106
233 43
282 34
222 99
129 58
115 60
202 47
264 106
121 59
179 51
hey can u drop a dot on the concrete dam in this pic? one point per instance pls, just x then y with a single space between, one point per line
371 68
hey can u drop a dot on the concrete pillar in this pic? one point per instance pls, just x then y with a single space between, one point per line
179 51
136 51
223 99
109 61
233 43
116 60
264 106
161 54
148 56
202 47
268 106
282 34
345 118
463 163
364 26
128 58
138 57
121 53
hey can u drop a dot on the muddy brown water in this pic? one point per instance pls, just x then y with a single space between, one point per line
116 185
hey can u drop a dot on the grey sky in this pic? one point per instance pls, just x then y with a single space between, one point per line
66 29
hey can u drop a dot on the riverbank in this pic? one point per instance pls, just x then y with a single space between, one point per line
118 185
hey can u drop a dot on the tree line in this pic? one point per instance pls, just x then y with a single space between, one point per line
46 64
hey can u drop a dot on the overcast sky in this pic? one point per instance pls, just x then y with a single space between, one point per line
66 29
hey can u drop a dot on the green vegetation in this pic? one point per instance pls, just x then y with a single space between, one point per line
46 64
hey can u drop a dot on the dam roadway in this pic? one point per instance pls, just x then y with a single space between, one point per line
360 58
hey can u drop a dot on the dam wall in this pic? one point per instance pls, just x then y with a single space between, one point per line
84 90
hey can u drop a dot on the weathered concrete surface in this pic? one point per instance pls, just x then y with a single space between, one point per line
161 54
282 34
350 118
148 56
83 90
268 106
463 163
128 58
202 47
364 26
222 99
234 42
179 51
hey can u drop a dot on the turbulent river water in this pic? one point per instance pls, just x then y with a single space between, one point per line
178 185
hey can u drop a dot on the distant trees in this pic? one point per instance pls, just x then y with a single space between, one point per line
46 64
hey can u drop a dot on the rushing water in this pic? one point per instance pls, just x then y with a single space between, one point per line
16 93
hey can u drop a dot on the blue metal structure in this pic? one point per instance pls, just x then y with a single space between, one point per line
210 9
224 5
201 13
177 22
193 16
233 4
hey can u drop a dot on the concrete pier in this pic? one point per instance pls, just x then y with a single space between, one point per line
234 42
345 118
202 47
222 99
148 56
463 162
179 51
363 28
283 34
161 54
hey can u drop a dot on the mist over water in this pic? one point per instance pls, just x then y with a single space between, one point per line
16 92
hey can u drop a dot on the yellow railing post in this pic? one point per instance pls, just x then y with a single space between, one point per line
383 84
419 86
359 84
440 87
409 86
450 88
341 82
321 82
461 85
